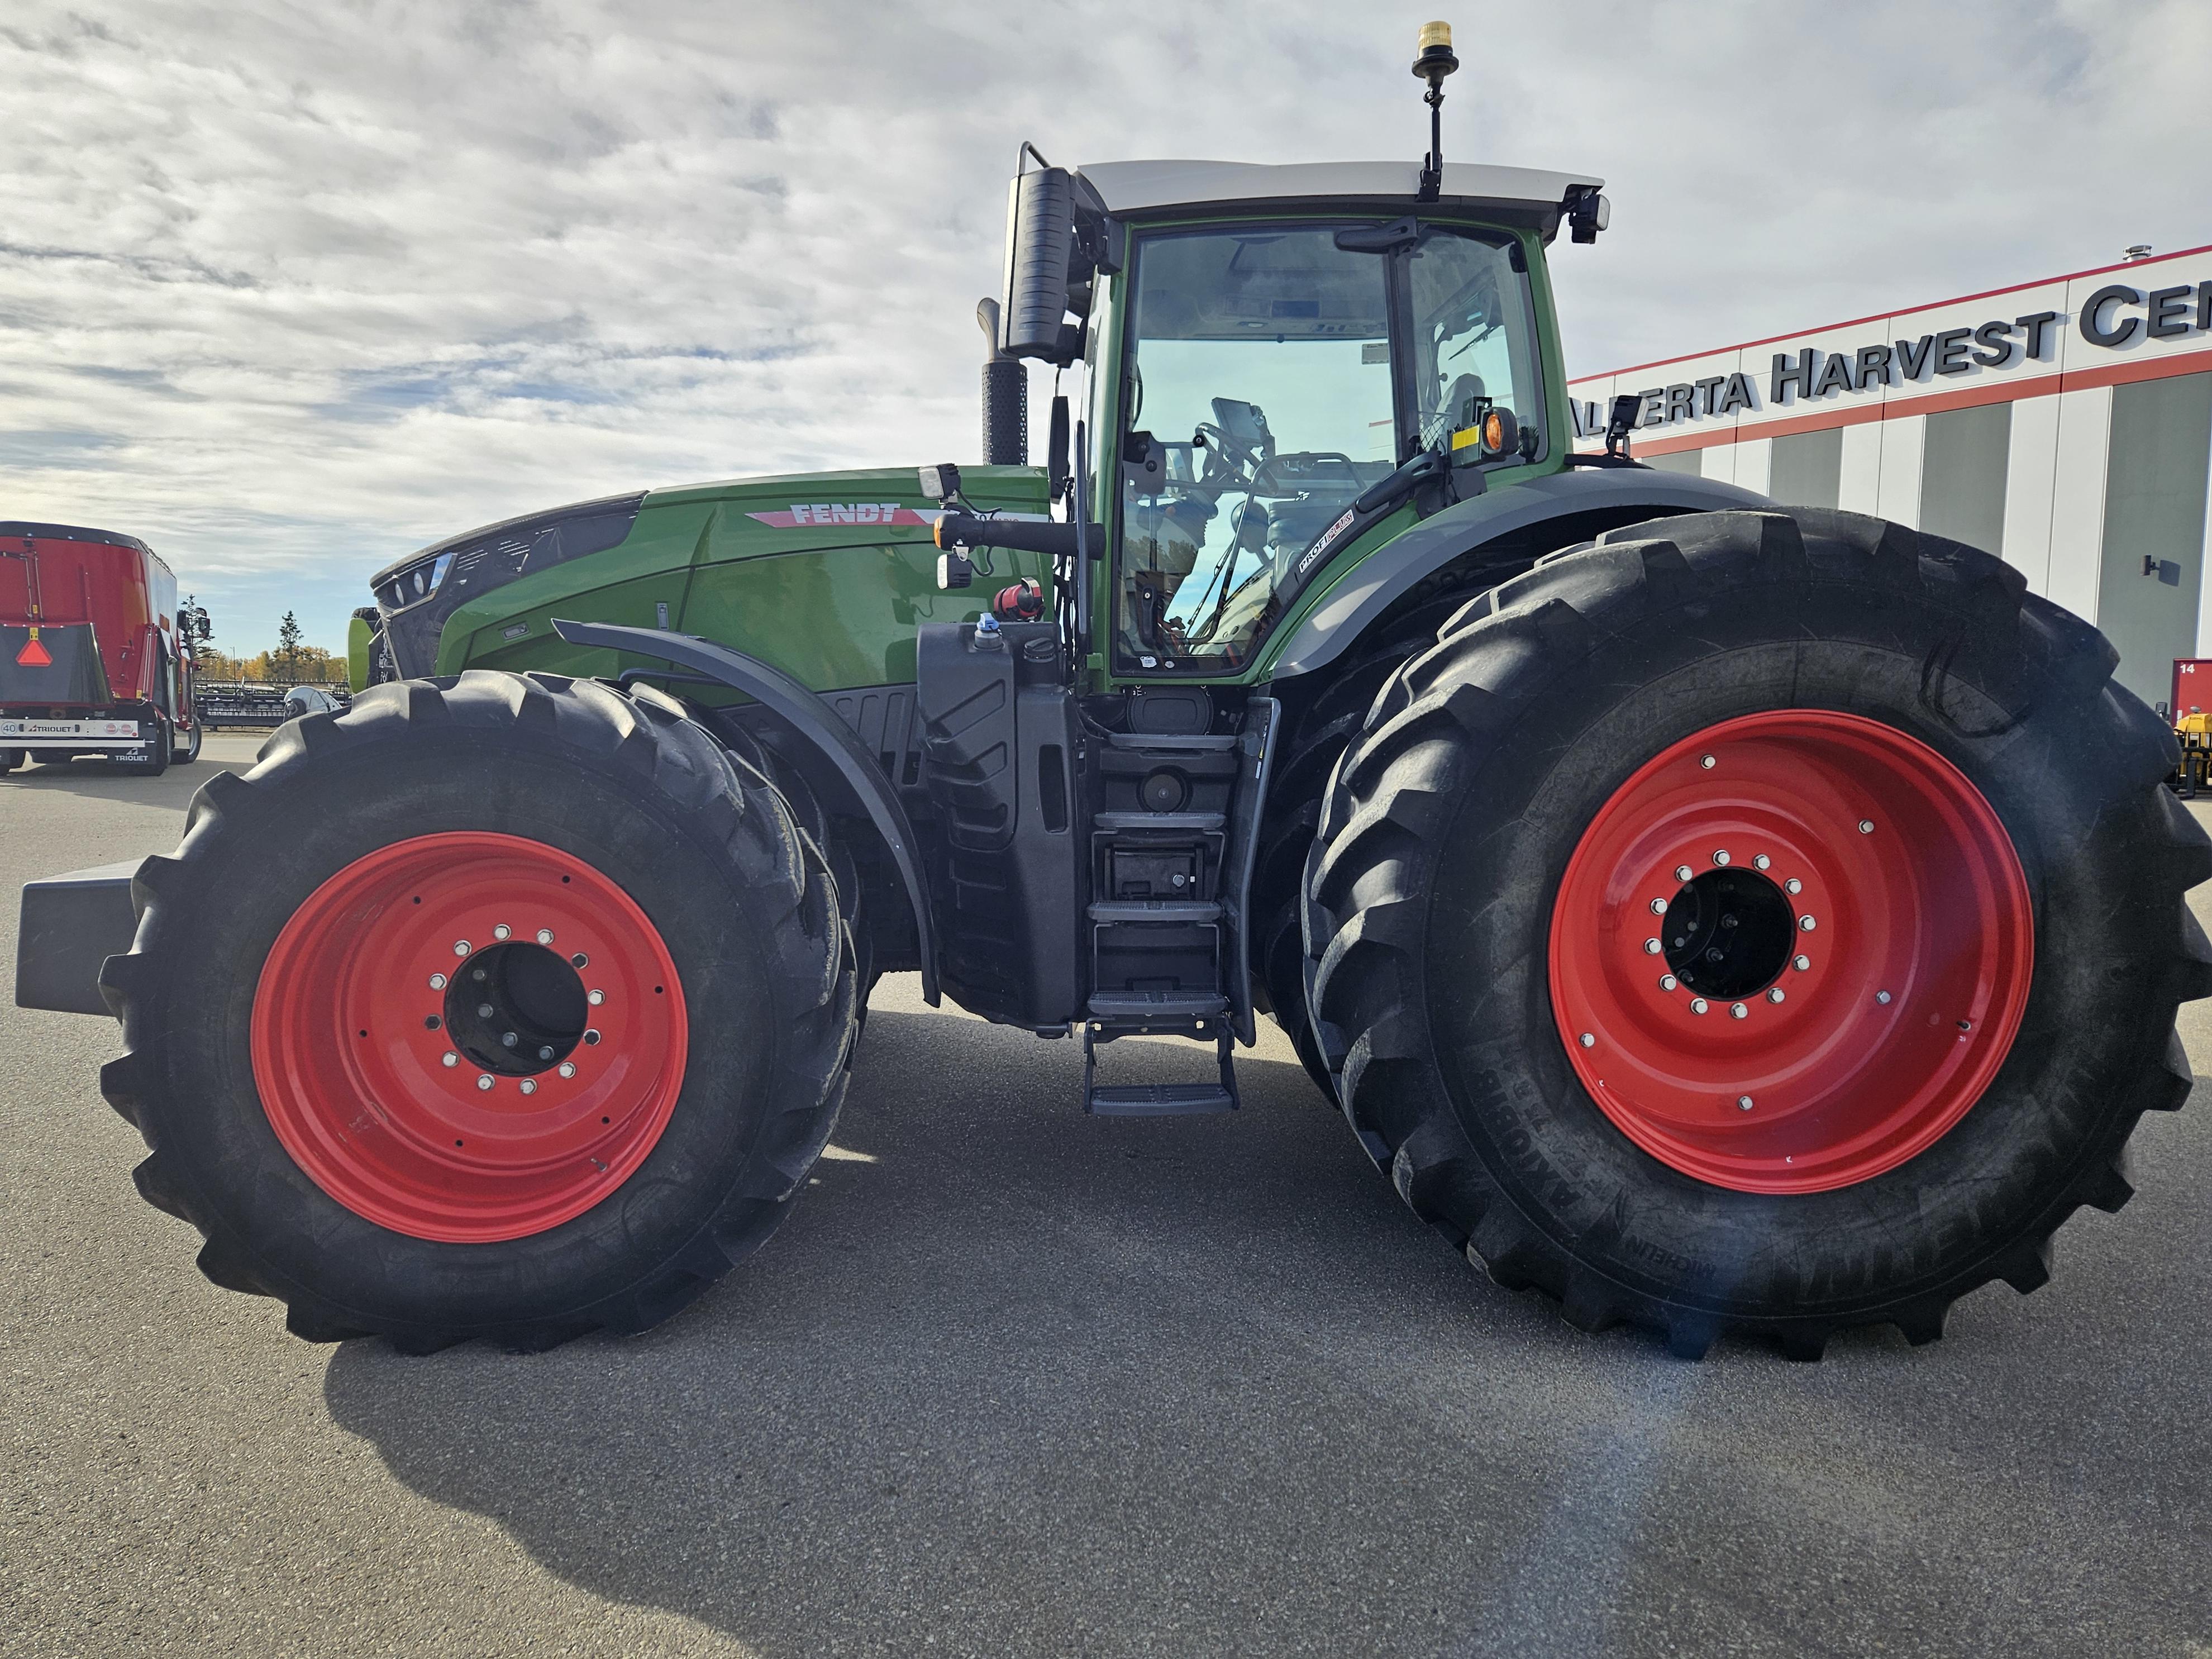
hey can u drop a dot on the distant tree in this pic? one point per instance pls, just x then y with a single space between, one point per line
285 664
196 630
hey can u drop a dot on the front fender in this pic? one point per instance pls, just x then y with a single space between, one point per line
843 760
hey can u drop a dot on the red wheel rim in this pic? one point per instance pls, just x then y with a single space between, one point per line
374 981
1909 947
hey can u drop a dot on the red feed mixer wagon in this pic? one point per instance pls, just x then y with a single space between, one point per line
91 661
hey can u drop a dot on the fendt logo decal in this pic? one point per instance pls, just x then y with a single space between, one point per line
805 513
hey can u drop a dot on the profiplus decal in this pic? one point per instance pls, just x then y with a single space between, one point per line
1327 540
809 514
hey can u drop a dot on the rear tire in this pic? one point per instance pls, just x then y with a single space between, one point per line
314 1186
1436 931
190 751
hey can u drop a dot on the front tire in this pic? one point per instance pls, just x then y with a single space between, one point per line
1517 856
537 1010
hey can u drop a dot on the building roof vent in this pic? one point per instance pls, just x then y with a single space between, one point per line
2138 250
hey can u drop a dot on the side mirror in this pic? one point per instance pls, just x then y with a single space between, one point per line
1056 464
1040 244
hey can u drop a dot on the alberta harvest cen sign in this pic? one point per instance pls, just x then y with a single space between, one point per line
1908 361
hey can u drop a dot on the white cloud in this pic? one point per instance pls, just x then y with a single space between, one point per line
291 290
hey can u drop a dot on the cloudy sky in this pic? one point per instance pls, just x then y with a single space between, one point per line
290 290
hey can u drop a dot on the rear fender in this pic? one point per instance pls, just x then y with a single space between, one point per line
828 752
1613 495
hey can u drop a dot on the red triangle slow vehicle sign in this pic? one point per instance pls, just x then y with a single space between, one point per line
34 655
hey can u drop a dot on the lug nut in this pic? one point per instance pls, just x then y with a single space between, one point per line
437 981
460 947
595 998
545 936
484 1081
1721 857
1683 872
1762 861
1651 947
1793 886
1882 997
1587 1040
529 1085
590 1036
1667 981
567 1068
578 960
508 1041
1775 995
1696 1005
502 931
450 1060
1737 1010
544 1053
483 1010
1801 963
1743 1103
1866 826
1807 923
1706 761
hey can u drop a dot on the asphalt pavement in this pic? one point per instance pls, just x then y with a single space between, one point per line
1013 1380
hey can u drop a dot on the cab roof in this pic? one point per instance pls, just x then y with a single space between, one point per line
1129 188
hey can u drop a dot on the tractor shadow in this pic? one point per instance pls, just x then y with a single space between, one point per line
1014 1380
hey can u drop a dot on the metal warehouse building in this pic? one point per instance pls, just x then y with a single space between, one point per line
2065 424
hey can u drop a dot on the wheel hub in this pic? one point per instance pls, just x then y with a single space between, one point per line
1791 951
469 1037
1729 932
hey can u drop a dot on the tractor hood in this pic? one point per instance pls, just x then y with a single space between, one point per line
854 562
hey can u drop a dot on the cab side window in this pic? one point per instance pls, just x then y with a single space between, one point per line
1474 336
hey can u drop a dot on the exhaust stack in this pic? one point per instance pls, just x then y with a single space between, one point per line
1005 398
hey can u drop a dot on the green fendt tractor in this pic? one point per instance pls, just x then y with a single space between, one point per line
1720 916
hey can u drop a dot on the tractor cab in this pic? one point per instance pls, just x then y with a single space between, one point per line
1274 370
1282 360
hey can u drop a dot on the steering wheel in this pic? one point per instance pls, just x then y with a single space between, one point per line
1231 463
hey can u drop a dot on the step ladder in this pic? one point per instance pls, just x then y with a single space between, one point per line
1171 851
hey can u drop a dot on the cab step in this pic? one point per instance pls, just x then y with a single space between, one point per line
1190 1099
1166 824
1150 1007
1154 910
1157 1099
